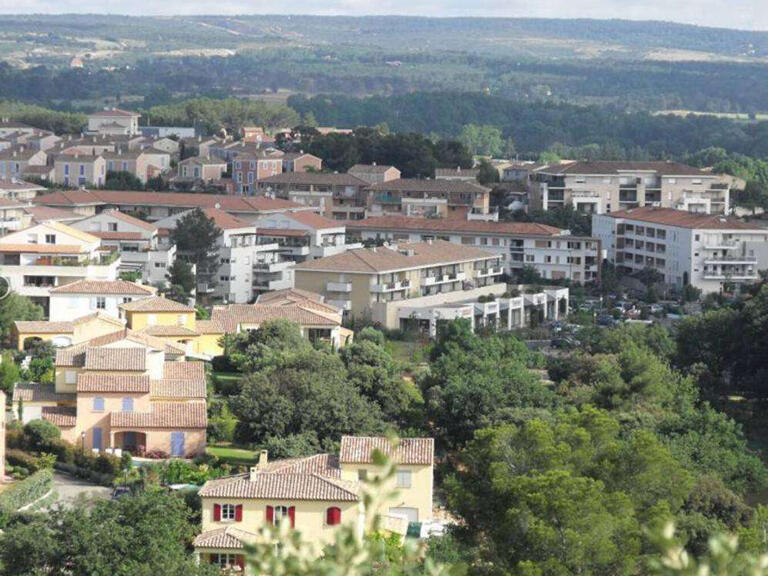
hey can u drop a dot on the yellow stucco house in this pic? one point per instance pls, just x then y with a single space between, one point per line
315 495
65 333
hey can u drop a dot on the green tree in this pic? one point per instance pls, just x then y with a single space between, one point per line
196 237
9 375
487 173
122 181
484 140
16 307
181 280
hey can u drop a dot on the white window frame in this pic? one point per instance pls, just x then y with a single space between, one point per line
404 478
224 559
228 512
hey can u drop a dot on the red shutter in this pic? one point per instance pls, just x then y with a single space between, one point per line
240 561
270 515
333 516
216 512
292 516
239 513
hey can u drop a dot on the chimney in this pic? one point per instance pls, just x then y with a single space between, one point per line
263 459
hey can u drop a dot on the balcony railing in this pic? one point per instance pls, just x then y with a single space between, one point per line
339 286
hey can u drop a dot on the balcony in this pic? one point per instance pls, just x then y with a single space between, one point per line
338 287
386 199
486 272
340 304
391 286
735 260
271 266
264 285
721 245
444 279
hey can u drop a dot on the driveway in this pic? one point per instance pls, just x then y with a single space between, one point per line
70 489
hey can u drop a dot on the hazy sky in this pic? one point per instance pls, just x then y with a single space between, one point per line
746 14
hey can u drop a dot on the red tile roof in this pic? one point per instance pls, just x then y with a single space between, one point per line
234 315
129 383
61 416
131 220
117 359
406 256
104 287
177 415
684 219
156 304
33 392
359 450
314 220
115 113
282 486
615 167
404 223
224 220
229 538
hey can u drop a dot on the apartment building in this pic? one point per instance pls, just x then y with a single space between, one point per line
44 256
429 199
335 196
247 264
553 253
304 235
315 495
301 162
199 168
15 161
143 164
138 243
13 216
374 173
249 167
708 251
600 187
124 391
153 206
86 297
75 170
114 122
376 282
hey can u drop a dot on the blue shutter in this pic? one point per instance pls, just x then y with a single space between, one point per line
177 444
127 404
97 438
98 404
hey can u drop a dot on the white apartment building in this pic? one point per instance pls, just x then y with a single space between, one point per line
84 297
113 121
136 240
247 265
600 187
707 251
51 254
554 253
304 235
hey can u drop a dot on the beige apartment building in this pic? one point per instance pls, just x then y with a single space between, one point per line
15 161
601 187
199 168
75 170
554 253
377 282
429 199
113 121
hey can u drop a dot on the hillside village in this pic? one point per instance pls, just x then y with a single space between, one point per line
252 264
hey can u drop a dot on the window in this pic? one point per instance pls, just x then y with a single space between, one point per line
70 377
276 514
362 474
403 478
152 320
333 516
228 512
127 405
112 226
98 404
127 299
50 238
227 560
101 303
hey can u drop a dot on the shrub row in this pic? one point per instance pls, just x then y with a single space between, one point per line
86 474
24 492
30 462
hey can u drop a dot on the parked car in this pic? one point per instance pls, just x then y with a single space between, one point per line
606 321
565 343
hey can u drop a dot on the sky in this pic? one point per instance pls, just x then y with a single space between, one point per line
742 14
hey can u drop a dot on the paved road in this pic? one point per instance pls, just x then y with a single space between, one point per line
70 488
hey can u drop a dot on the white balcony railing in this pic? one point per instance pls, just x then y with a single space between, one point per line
339 286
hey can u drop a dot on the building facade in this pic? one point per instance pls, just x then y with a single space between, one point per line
601 187
707 251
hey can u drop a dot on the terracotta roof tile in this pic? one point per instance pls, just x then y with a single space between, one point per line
189 389
163 415
229 538
162 330
323 464
684 219
118 359
134 383
615 167
437 225
156 304
33 392
105 287
318 178
230 317
406 256
43 248
419 185
61 416
44 327
359 450
180 370
282 486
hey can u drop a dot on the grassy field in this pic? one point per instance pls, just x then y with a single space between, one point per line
233 455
